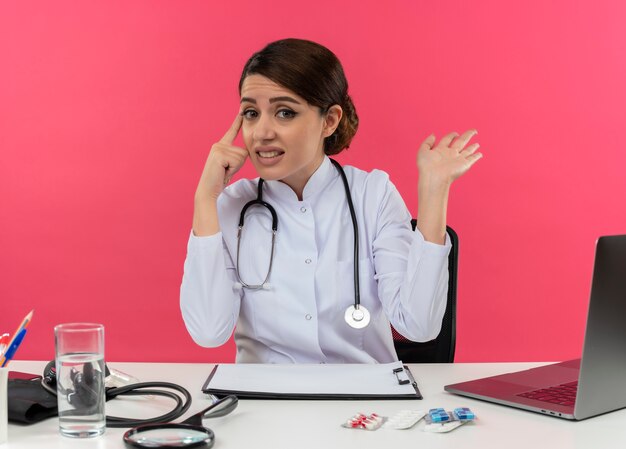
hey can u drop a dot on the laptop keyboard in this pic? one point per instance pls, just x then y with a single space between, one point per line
564 394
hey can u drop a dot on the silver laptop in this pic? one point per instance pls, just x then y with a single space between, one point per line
585 387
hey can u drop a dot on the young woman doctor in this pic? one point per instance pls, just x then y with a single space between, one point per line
291 298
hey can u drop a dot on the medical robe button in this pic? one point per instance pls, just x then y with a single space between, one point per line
307 261
303 209
308 316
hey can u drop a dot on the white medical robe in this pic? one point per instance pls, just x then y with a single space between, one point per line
300 318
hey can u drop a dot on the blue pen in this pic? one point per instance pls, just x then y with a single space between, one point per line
10 352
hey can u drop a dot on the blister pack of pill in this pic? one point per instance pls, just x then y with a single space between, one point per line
365 422
404 419
439 420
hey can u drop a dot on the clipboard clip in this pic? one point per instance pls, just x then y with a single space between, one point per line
409 380
397 371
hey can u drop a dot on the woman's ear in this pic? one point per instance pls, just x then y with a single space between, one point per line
332 119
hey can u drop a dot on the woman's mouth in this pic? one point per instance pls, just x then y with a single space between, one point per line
269 156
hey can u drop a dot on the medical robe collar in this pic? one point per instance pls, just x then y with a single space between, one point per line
324 174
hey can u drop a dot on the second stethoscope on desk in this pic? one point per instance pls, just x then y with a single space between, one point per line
356 315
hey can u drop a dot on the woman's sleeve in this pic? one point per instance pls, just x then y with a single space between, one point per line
208 301
412 274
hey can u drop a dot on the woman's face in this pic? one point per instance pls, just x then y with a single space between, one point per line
283 133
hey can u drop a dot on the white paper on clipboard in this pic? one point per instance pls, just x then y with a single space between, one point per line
313 381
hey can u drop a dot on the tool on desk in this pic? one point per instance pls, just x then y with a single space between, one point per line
581 388
25 322
189 433
4 360
313 381
34 401
12 348
149 389
4 342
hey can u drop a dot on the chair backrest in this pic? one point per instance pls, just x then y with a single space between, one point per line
441 349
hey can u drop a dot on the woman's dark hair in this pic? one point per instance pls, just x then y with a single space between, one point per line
313 72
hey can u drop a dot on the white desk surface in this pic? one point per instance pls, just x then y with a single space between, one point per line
317 424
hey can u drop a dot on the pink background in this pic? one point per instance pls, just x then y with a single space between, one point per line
108 110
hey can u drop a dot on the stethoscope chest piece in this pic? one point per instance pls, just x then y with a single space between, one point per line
357 318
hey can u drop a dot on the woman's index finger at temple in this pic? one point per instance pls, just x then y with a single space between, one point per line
232 132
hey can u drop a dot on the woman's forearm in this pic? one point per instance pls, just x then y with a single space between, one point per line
205 218
432 208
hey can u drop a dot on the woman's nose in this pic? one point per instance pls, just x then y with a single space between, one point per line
263 129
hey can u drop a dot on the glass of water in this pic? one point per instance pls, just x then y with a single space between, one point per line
80 379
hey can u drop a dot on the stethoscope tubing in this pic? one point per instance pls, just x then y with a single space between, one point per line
355 227
257 202
356 316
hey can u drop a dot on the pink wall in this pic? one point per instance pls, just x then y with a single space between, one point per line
107 112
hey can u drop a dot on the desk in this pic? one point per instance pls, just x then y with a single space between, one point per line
316 424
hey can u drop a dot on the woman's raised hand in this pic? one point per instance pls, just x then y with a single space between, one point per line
438 166
448 159
224 160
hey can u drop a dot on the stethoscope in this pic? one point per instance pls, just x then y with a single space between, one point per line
357 316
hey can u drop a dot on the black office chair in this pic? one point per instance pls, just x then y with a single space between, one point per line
441 349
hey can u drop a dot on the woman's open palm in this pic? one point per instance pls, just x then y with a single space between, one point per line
448 159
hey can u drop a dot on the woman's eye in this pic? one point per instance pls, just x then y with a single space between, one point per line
249 114
286 113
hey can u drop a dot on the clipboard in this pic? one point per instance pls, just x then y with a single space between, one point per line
313 381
